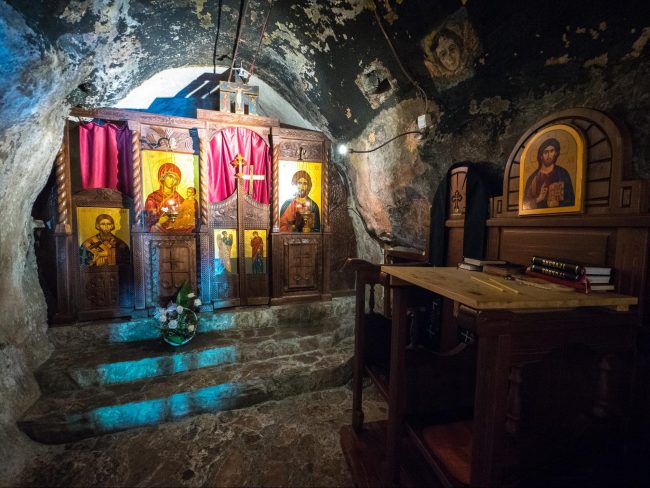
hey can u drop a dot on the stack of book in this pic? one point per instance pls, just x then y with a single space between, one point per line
570 274
599 277
473 264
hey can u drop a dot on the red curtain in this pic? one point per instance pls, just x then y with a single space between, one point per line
224 147
106 157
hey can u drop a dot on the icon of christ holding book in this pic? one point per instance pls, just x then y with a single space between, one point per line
550 185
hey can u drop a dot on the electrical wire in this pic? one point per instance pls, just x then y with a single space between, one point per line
216 40
243 7
259 44
399 62
389 140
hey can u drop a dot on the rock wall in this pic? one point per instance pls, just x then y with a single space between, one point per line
497 69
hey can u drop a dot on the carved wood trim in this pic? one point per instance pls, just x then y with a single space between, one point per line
256 214
301 134
263 132
276 188
131 115
231 119
325 210
152 245
140 258
62 178
224 213
203 177
137 178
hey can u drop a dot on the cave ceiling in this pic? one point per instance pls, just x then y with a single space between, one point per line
328 58
488 69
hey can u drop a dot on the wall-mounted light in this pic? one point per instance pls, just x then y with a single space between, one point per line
343 149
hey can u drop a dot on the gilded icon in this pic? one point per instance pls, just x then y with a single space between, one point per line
300 191
551 171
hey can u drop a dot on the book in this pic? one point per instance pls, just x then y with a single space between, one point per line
581 284
599 279
602 287
508 269
557 273
470 267
598 270
573 268
481 262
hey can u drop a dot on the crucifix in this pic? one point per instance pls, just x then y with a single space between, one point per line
238 162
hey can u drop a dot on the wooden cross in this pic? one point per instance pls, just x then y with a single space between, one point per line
456 199
239 161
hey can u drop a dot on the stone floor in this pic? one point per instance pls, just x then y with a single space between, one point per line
291 442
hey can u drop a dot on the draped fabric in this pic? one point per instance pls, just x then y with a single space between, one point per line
224 148
106 157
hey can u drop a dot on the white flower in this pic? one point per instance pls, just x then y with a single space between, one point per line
191 295
190 327
162 317
198 302
171 307
173 324
179 309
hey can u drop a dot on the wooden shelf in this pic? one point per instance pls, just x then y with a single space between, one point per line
447 447
365 455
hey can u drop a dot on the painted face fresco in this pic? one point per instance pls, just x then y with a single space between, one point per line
448 53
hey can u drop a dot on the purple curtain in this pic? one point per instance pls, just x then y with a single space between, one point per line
106 157
224 147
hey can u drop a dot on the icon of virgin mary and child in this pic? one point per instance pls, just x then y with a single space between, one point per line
165 209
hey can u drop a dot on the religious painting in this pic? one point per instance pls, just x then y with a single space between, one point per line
103 236
299 189
225 251
255 251
170 191
551 172
451 50
169 139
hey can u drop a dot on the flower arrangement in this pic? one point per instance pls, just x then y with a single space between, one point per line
178 321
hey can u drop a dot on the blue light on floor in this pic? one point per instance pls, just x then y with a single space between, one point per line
127 371
134 331
148 412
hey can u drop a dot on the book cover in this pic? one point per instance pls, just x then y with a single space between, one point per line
557 273
469 267
582 284
599 279
573 268
598 270
481 262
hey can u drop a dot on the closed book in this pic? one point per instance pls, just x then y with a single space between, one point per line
573 268
557 273
600 279
481 262
469 267
581 284
598 270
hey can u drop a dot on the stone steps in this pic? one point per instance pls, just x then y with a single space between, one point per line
93 385
124 363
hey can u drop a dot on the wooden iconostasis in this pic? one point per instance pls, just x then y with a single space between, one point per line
233 204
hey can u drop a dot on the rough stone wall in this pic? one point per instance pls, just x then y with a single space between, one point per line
37 77
331 61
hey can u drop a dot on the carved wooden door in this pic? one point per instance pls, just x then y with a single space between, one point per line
234 249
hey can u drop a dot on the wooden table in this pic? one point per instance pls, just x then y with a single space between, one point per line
512 325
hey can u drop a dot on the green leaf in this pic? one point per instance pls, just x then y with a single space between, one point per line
181 298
